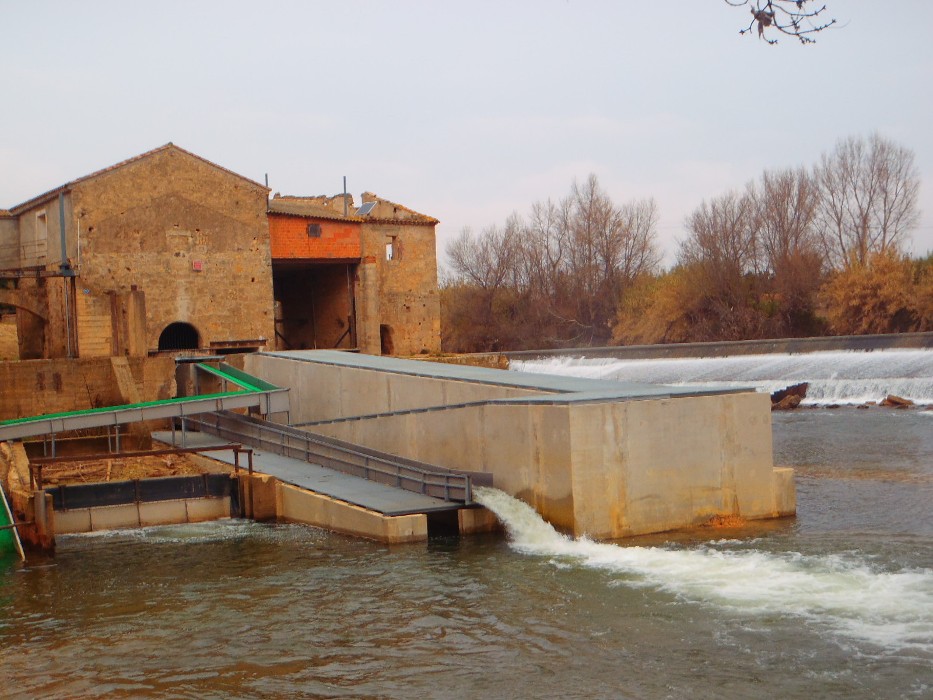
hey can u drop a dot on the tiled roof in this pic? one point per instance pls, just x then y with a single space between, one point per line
4 213
45 196
408 216
295 206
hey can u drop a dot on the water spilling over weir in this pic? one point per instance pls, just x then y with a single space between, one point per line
843 378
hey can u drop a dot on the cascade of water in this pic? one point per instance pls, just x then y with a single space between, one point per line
843 593
834 377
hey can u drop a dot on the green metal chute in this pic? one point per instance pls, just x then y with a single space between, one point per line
9 538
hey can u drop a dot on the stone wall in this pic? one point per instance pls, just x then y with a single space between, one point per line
408 300
9 339
35 387
193 237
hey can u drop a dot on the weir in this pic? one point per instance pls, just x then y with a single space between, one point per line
602 458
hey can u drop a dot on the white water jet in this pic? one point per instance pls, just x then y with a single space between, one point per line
893 610
834 377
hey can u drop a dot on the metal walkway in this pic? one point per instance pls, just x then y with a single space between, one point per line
358 491
251 392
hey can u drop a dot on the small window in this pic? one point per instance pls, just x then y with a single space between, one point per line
314 230
393 249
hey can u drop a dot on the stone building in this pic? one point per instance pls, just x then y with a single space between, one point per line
167 251
348 277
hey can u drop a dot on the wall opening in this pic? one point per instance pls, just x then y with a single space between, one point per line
445 523
314 305
179 336
386 347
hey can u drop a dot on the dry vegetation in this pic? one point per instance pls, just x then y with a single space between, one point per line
123 469
799 252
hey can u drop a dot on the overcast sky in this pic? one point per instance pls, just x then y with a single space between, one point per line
467 111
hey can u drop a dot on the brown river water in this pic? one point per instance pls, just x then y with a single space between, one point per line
837 603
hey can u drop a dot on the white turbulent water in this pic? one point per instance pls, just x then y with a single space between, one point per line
893 609
845 378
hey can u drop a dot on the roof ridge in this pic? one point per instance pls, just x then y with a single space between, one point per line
110 168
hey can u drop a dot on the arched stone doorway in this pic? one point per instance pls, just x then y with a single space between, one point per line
179 336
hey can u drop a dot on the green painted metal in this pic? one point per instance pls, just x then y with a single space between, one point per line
248 384
110 409
9 538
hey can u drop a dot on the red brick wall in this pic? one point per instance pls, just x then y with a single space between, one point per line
339 240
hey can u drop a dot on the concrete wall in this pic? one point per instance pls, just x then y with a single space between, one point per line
299 506
606 469
131 515
317 392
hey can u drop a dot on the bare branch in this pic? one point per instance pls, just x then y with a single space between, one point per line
794 18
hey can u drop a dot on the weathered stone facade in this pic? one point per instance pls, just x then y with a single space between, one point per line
168 251
189 235
366 278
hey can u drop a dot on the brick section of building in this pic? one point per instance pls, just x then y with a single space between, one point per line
330 240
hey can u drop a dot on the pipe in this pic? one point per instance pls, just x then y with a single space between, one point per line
64 267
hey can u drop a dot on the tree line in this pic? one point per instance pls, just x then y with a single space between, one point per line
797 252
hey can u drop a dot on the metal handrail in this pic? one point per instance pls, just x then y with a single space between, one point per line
341 457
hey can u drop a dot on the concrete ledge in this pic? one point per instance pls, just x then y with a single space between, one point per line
738 347
134 515
785 492
299 506
475 520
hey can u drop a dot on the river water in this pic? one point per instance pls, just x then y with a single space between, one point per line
837 603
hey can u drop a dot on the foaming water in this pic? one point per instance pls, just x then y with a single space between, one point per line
834 377
843 593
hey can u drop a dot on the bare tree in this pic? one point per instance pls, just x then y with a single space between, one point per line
721 258
558 277
868 198
486 261
797 18
784 206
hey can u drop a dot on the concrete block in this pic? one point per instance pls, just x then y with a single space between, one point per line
113 517
205 509
71 521
474 520
162 513
785 492
301 506
263 498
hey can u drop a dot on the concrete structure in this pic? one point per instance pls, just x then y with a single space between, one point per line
168 251
133 515
605 459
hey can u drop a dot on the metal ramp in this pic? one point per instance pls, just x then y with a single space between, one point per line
250 393
369 478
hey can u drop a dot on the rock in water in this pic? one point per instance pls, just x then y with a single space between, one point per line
789 398
787 403
893 401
